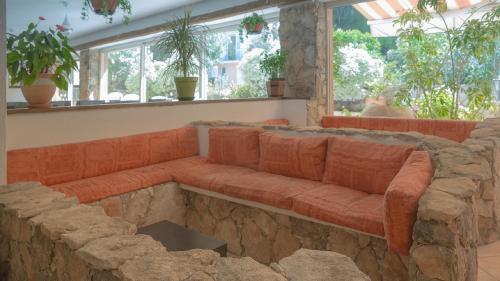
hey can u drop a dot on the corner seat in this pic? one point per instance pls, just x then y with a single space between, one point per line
344 207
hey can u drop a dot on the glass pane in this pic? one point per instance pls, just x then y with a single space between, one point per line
159 83
233 63
124 81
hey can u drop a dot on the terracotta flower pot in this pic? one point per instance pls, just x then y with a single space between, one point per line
40 93
276 87
257 29
101 6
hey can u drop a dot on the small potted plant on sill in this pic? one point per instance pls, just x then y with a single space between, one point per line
40 61
273 65
252 25
182 45
107 8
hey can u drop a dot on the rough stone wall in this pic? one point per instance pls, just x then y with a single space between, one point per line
303 36
89 74
45 236
148 206
268 237
485 140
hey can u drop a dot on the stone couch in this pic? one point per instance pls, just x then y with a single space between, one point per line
455 214
46 236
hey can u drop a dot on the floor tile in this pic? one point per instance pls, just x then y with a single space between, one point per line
490 265
484 276
491 250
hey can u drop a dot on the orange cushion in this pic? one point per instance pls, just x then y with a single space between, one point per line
69 162
100 157
234 146
283 122
293 156
97 188
401 200
344 207
206 175
363 165
173 144
270 189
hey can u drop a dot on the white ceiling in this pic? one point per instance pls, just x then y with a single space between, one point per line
21 12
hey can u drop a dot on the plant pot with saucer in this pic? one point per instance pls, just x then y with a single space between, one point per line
40 61
252 25
182 45
107 8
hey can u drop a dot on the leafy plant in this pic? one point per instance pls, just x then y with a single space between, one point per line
124 5
33 52
273 65
182 45
461 49
251 23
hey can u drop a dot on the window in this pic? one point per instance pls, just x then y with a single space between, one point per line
124 79
233 63
136 72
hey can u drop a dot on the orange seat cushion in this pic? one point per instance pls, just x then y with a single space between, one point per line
344 207
293 156
270 189
173 144
100 187
363 165
234 146
401 200
205 175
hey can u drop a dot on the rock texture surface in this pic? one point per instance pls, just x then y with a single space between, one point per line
45 236
303 36
148 206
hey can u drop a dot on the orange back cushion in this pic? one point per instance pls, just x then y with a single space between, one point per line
69 162
363 165
234 146
293 156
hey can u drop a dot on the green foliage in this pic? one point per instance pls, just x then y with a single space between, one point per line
244 92
441 64
273 65
250 23
358 39
33 52
182 45
347 18
124 5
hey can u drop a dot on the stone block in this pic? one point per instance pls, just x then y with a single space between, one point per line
111 252
440 206
309 265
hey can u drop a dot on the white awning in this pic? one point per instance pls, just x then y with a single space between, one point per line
382 13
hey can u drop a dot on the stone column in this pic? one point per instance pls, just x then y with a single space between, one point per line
89 74
3 93
304 33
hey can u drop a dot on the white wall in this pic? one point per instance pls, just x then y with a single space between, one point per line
51 128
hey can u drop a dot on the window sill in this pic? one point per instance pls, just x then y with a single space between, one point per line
135 105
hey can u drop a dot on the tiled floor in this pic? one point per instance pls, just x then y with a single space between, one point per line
489 262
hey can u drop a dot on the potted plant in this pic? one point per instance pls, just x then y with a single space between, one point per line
40 61
253 24
182 45
107 8
273 65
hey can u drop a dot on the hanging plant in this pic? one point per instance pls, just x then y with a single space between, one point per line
252 25
107 8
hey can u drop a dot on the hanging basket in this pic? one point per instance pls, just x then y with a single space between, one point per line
104 7
254 29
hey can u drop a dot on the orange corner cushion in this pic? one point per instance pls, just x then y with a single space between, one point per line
401 200
237 146
363 165
293 156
